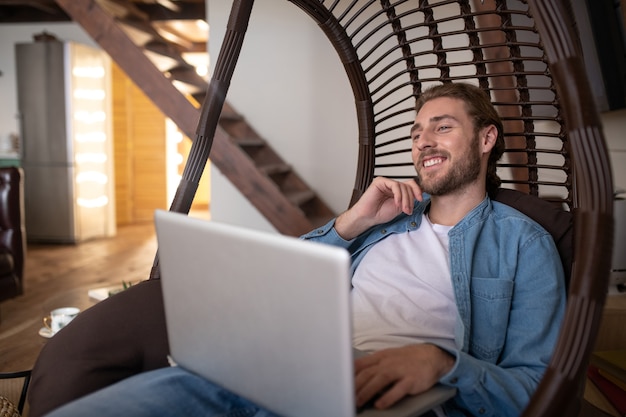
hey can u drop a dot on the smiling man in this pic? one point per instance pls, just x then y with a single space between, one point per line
455 289
449 287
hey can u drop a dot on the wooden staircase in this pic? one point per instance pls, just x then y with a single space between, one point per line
237 150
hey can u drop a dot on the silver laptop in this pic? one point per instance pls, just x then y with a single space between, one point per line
266 316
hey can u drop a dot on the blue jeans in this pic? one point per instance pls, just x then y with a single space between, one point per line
166 392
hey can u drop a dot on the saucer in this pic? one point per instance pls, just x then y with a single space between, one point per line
45 332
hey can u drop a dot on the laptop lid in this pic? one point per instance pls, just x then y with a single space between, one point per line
264 315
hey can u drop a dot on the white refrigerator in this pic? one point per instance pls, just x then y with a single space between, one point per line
65 118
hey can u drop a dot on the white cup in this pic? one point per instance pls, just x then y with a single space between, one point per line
59 318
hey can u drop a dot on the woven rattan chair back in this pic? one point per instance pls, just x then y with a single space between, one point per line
526 55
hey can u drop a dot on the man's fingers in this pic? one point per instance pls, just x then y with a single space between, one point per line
392 395
384 390
368 387
394 373
403 196
417 190
369 380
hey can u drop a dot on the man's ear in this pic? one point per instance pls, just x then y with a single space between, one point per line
488 138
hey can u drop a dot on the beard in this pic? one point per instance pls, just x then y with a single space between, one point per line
462 173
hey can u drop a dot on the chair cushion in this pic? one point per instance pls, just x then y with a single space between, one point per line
558 222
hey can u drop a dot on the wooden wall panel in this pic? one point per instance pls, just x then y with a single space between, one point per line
122 149
139 144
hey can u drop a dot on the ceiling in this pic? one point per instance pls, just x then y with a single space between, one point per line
173 34
31 11
182 22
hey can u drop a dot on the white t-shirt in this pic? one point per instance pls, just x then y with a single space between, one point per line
402 291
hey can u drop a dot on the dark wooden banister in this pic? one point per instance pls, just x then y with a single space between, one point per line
210 111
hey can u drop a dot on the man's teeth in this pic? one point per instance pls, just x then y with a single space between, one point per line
433 161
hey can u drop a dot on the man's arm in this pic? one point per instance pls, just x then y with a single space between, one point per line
503 387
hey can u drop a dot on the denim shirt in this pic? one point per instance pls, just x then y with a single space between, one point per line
510 294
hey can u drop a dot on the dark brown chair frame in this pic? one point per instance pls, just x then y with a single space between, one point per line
523 53
527 56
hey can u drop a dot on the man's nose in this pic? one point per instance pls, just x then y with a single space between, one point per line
425 141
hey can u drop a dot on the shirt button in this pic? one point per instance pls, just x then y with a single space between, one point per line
454 380
413 224
383 231
481 411
320 231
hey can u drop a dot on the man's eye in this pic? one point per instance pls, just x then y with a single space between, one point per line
443 128
415 137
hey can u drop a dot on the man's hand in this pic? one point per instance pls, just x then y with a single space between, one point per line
397 372
383 200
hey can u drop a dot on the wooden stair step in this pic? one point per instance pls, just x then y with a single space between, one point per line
277 168
317 221
230 116
165 49
188 75
275 180
142 26
298 198
250 141
198 98
122 9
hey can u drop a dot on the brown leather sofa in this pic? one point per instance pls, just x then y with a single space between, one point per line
12 232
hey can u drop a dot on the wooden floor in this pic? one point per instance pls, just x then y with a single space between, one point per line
59 275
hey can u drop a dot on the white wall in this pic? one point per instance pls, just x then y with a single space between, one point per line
614 124
291 86
10 34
